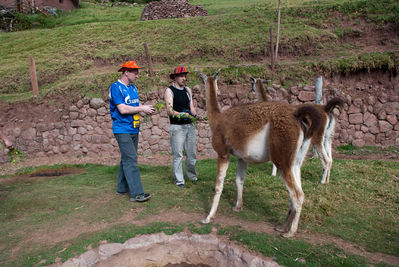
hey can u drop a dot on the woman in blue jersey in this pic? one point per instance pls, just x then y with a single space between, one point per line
125 108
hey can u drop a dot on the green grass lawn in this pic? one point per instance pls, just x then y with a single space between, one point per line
360 205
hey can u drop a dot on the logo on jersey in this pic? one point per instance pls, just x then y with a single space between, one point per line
130 101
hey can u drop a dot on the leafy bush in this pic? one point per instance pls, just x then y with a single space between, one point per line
38 20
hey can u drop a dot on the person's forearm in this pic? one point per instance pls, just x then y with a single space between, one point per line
173 113
125 109
193 110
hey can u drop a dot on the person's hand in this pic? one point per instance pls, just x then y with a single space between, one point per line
184 115
147 109
198 117
8 143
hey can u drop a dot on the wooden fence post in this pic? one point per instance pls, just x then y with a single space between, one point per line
149 61
278 29
271 48
33 76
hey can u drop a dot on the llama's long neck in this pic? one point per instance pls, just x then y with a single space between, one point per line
212 105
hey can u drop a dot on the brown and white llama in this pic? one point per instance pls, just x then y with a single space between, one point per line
261 132
322 141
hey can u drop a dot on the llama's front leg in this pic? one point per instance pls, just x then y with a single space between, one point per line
223 164
240 178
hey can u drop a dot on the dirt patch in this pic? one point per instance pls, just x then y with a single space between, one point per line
52 173
369 36
26 113
40 175
171 9
160 159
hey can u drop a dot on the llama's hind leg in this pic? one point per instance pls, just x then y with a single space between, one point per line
283 228
292 180
326 162
222 165
240 178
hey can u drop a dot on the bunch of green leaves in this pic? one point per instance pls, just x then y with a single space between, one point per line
190 117
15 156
181 115
159 105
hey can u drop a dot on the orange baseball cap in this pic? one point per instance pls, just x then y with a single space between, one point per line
129 65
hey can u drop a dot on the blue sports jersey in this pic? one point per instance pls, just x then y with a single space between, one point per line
119 93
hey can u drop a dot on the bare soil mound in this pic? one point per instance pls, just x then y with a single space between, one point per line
172 9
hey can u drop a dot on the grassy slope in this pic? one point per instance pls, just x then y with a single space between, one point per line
82 55
360 205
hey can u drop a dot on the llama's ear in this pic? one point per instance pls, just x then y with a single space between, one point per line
253 82
266 81
215 76
202 77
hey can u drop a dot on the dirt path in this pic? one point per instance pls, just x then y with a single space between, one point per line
153 160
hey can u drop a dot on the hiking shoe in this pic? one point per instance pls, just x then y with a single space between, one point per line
141 198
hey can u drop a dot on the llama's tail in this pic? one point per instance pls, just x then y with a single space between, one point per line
332 103
310 120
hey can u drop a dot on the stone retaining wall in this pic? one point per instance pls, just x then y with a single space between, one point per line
86 128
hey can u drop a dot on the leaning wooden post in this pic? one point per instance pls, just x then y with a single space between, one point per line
149 61
278 29
33 76
271 48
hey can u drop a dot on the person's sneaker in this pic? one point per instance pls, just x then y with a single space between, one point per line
121 193
141 198
181 185
195 179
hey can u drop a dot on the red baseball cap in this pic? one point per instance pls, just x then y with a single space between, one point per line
129 65
178 70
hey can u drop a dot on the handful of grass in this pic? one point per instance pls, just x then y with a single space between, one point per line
15 156
159 105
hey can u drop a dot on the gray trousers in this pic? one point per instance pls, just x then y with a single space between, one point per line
129 179
182 137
